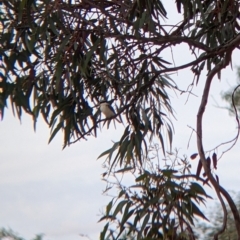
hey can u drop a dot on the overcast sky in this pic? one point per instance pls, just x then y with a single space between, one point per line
45 189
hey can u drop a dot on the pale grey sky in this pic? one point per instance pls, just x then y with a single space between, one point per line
46 190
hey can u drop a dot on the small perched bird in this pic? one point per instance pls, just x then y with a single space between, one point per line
107 110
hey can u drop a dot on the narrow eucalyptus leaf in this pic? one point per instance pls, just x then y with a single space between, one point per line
55 131
103 233
119 207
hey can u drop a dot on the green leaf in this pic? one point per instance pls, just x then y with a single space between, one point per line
61 49
170 134
138 138
94 38
196 188
28 43
168 172
141 177
162 142
119 207
53 27
145 222
22 4
55 131
142 19
197 211
126 169
103 233
90 53
103 49
129 145
67 132
115 146
127 214
109 207
58 73
105 153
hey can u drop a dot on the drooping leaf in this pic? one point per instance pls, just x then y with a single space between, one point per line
103 233
55 131
214 159
193 156
208 162
119 207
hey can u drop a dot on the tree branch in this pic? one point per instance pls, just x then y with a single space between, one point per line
218 189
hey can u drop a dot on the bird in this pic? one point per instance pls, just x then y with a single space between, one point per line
107 110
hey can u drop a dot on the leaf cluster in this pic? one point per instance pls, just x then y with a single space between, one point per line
161 204
62 58
9 234
208 230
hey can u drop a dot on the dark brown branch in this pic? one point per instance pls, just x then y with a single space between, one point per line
173 40
218 67
218 189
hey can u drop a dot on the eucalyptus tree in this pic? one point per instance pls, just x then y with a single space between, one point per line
10 235
208 229
62 58
232 96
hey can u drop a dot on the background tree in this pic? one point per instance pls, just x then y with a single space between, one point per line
61 58
10 235
159 203
232 96
208 230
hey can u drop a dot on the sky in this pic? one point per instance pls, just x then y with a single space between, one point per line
45 189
